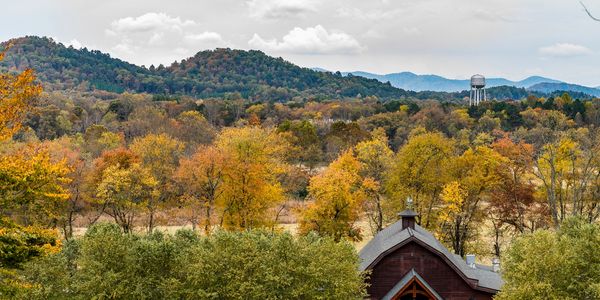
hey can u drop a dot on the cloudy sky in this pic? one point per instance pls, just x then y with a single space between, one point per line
452 38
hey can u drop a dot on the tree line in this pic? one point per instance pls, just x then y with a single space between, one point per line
480 178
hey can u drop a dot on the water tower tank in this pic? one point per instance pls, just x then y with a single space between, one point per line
477 81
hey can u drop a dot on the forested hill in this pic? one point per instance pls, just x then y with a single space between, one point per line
59 67
216 73
213 73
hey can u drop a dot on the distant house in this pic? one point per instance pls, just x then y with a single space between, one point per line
408 263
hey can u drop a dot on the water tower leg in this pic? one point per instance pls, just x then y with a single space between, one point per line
471 97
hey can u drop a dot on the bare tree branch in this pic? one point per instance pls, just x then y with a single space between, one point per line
588 12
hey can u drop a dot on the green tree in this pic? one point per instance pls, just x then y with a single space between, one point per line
303 135
108 264
546 264
264 265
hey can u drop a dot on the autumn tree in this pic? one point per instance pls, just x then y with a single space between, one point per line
19 245
251 187
337 196
193 129
200 179
376 159
419 172
567 168
159 154
343 136
98 139
17 92
32 186
122 186
69 151
514 201
474 175
303 135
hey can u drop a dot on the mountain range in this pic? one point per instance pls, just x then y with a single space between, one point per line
212 73
413 82
230 73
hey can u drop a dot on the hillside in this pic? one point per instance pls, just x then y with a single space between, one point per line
208 74
238 73
59 67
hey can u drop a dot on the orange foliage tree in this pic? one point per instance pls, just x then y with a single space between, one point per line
200 180
17 93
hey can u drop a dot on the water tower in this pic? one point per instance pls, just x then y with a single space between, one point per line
477 90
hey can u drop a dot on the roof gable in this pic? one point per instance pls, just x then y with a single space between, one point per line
411 276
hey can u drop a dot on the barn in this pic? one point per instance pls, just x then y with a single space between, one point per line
408 263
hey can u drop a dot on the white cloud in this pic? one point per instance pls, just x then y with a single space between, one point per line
75 43
149 22
280 9
564 50
312 40
159 38
206 36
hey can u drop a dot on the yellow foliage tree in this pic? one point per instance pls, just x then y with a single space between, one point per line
251 187
337 196
32 186
16 95
568 171
126 191
474 175
420 172
376 159
160 155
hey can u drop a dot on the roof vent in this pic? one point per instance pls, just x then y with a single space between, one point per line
470 258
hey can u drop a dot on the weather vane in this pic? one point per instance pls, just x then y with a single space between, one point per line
409 202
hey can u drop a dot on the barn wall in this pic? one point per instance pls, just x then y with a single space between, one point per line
441 277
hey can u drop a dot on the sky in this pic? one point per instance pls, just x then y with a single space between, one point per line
451 38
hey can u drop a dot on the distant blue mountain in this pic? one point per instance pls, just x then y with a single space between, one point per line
414 82
546 87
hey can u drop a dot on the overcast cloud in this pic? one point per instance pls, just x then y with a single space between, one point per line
509 38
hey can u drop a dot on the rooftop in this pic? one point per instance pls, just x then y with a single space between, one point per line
394 236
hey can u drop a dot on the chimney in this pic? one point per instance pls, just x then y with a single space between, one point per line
496 264
408 218
470 258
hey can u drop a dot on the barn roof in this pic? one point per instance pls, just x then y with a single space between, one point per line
393 237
